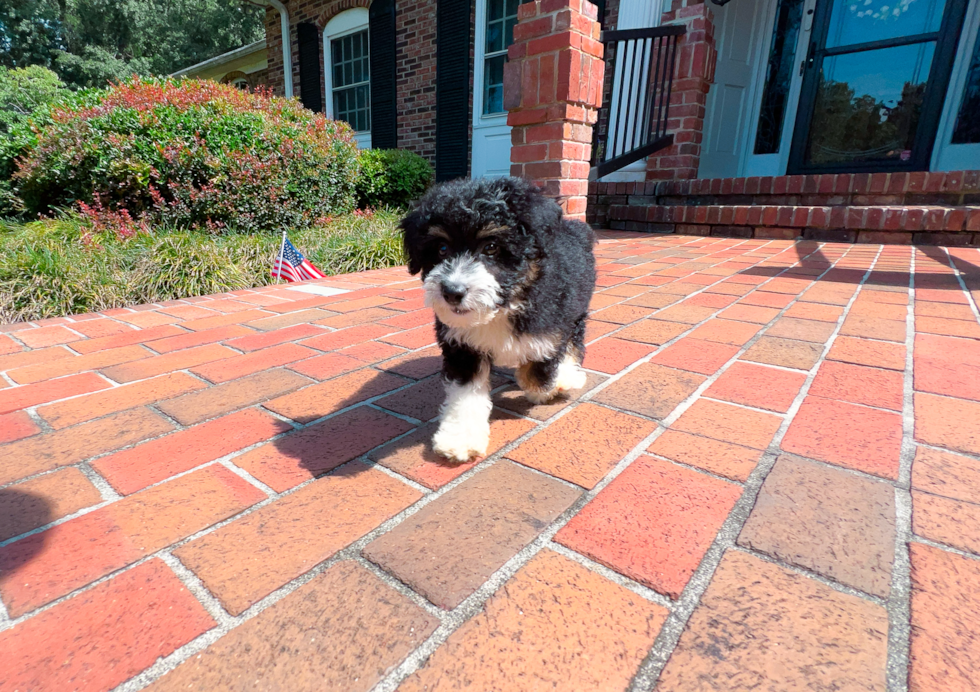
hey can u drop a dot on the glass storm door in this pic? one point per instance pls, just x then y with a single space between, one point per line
875 78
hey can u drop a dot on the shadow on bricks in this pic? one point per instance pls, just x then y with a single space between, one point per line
348 415
813 259
20 512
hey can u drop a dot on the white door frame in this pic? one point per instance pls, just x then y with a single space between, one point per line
775 164
489 131
347 22
945 155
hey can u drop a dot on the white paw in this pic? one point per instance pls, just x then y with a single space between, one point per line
461 442
570 377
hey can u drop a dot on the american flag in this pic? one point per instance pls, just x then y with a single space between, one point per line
292 266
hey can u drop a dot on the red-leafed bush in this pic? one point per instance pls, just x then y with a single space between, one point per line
191 154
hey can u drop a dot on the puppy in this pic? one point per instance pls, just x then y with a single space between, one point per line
510 282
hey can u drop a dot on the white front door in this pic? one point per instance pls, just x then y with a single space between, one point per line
958 141
731 98
495 20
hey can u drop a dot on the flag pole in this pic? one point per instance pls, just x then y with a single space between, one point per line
282 252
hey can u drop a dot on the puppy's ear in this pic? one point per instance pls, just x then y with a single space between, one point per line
414 228
537 213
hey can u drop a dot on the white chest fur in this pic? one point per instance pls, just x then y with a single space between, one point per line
507 349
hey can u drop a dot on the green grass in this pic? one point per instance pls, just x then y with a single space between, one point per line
52 268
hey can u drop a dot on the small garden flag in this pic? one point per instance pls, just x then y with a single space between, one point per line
292 266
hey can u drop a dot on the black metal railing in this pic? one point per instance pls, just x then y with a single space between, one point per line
633 118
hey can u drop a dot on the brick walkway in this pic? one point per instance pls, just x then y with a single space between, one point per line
774 473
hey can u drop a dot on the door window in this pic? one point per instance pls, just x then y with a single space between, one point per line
501 18
876 70
869 104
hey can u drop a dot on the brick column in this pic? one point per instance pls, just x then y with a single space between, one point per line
552 90
693 74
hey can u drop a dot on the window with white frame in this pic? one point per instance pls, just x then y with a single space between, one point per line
351 80
501 18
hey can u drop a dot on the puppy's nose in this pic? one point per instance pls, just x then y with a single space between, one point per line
453 292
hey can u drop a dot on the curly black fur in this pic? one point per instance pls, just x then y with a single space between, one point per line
543 264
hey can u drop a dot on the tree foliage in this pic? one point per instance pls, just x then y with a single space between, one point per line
92 42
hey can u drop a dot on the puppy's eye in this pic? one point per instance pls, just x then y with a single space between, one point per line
443 249
490 249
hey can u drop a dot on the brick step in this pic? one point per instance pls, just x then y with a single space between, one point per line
932 224
957 188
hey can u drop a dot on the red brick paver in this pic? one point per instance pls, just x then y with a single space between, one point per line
766 444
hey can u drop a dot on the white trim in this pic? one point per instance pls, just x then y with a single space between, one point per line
945 155
219 60
775 164
479 54
488 130
287 50
348 22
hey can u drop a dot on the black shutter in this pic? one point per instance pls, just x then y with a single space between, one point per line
309 66
452 88
384 119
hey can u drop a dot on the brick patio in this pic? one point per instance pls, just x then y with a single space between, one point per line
771 484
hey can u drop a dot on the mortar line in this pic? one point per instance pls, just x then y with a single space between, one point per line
811 574
959 278
636 587
194 584
898 605
945 547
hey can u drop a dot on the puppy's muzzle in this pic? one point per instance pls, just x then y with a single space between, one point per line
453 292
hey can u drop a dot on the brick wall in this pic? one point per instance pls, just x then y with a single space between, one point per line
693 76
552 90
415 25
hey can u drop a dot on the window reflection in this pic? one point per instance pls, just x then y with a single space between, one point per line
864 21
967 129
868 104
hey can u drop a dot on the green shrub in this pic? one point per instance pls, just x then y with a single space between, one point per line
25 94
72 264
392 178
191 154
24 90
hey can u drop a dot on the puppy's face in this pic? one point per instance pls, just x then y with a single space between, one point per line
477 246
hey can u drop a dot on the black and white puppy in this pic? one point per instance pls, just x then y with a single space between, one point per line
510 282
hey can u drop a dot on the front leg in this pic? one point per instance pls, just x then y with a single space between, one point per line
464 428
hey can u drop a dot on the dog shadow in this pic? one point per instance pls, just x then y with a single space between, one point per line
391 406
22 511
390 419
